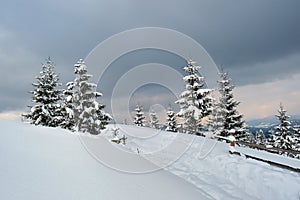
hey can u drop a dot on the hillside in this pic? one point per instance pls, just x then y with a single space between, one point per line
49 163
268 123
207 164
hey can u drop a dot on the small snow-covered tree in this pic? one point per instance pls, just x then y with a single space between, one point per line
139 119
195 101
227 110
154 122
260 137
171 120
88 113
46 96
296 130
271 139
248 137
283 137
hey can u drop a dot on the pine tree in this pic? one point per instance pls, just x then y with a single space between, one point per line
260 137
296 130
154 122
195 102
139 119
271 139
171 120
88 113
248 137
283 137
216 119
68 107
227 110
46 96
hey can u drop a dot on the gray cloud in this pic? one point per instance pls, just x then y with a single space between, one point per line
251 39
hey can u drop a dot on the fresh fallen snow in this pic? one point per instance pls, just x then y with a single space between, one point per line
208 165
50 163
291 162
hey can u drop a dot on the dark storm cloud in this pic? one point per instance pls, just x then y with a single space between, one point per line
246 37
234 32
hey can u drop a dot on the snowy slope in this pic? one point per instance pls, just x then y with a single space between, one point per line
208 165
47 163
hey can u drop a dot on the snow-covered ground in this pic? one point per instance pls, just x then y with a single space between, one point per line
46 164
208 165
49 163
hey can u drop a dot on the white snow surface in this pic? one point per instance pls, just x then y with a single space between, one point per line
51 163
208 165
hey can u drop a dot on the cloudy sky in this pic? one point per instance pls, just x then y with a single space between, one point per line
256 41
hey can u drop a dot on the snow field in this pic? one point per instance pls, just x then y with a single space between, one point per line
51 163
208 165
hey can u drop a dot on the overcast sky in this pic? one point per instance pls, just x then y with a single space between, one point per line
256 41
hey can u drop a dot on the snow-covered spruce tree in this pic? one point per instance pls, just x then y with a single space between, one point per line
227 110
139 119
171 120
67 108
195 101
88 113
296 130
248 137
216 118
154 122
271 139
46 96
283 136
260 137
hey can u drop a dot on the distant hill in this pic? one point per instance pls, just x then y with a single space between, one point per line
268 123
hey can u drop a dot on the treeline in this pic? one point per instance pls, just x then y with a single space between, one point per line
76 108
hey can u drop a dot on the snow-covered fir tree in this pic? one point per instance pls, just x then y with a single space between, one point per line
139 119
248 137
271 139
171 120
226 110
88 113
260 137
283 136
195 101
216 118
154 122
46 96
68 107
296 136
